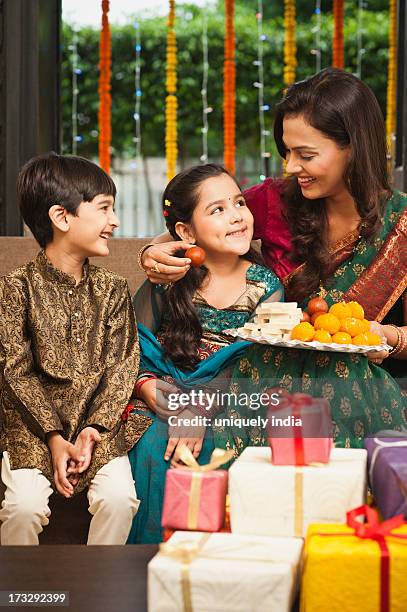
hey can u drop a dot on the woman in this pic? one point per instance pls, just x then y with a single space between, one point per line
183 347
337 230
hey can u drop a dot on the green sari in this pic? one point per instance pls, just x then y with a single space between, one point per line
363 397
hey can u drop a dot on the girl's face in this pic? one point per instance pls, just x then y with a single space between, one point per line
317 161
221 222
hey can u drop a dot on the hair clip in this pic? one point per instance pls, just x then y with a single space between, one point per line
167 203
166 213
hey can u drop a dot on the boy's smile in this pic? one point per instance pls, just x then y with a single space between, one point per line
92 226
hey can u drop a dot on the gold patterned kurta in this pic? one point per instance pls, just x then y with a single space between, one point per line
69 358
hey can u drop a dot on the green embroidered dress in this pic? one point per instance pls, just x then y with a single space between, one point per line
364 398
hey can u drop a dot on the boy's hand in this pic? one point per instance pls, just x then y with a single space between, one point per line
62 452
84 443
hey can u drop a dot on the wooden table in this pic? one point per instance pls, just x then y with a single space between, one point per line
98 578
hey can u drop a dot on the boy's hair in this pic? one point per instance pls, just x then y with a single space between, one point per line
51 179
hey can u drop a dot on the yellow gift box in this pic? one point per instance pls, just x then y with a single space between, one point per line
345 572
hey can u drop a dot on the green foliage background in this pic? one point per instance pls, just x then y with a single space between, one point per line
189 38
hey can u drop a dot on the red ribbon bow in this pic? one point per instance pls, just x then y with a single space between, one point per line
373 530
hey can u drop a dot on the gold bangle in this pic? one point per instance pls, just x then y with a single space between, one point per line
402 344
396 347
140 255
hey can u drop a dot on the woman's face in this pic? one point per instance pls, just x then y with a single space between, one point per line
221 222
317 161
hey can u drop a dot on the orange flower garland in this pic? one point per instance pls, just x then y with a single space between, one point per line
171 148
338 60
391 76
105 100
229 90
290 47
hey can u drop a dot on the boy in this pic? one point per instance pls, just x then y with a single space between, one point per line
68 359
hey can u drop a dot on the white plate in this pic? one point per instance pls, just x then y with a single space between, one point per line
311 346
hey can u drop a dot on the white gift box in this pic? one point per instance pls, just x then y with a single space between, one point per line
282 500
222 572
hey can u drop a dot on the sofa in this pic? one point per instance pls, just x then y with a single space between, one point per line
70 519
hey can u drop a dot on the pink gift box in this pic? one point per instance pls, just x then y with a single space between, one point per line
300 430
194 500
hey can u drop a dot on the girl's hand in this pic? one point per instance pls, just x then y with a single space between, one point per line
155 393
184 435
161 266
378 356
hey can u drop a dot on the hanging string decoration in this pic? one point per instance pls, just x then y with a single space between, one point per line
391 77
229 90
204 90
359 38
290 47
76 71
105 100
264 153
338 59
138 92
317 36
171 146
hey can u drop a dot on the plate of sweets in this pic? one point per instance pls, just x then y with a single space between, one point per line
339 328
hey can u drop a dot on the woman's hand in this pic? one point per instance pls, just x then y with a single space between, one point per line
161 266
378 356
155 394
184 435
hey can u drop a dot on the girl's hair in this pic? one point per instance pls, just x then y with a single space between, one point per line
345 110
183 330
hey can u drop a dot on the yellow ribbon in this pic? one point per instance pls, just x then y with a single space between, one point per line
194 500
299 503
218 458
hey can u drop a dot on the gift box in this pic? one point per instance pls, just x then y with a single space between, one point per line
195 496
300 430
278 500
356 566
224 572
387 462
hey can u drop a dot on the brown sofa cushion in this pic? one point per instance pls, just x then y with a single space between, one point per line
15 251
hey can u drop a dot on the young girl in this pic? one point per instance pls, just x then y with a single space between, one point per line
181 328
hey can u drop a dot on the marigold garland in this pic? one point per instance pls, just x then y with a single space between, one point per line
171 148
105 100
290 46
338 58
391 75
229 90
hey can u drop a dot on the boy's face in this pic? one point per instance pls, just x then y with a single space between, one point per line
92 226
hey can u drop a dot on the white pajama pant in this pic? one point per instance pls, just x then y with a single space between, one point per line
112 502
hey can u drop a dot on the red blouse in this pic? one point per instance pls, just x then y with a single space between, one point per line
266 205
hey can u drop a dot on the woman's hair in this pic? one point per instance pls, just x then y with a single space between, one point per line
345 110
183 330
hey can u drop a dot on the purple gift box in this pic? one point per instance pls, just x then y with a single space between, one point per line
387 464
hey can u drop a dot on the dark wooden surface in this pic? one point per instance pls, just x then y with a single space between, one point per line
98 578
